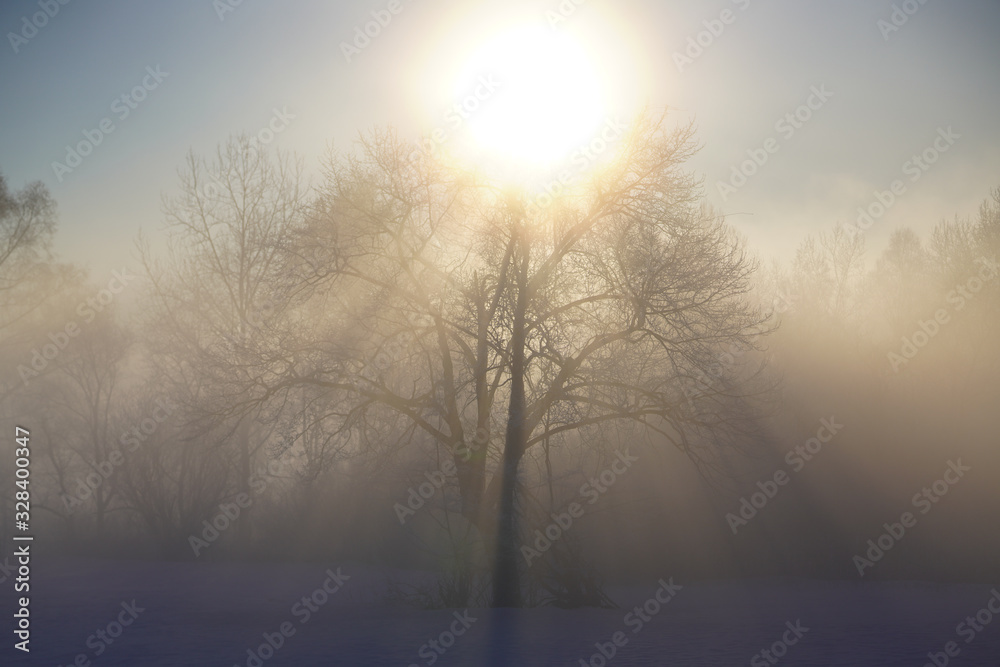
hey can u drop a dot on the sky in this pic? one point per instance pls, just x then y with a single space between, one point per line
886 80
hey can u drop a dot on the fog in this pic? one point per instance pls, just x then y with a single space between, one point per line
536 361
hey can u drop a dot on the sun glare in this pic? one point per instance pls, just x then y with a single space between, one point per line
548 97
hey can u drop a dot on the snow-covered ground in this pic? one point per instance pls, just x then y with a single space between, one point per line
212 614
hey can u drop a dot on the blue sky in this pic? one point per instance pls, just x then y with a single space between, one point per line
889 97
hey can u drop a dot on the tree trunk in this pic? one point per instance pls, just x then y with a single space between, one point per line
243 485
506 582
506 579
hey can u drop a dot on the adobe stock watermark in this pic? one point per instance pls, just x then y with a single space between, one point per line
31 25
786 126
259 315
230 512
796 458
223 7
924 501
418 495
563 12
700 42
698 382
918 165
433 649
928 329
779 649
970 628
455 116
106 636
593 489
88 310
364 34
302 610
636 619
23 585
122 107
376 364
580 160
130 441
278 123
899 17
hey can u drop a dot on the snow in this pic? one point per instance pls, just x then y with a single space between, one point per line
211 614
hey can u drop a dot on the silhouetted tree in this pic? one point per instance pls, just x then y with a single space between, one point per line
461 308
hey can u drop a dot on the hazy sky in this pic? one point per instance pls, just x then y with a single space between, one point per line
222 72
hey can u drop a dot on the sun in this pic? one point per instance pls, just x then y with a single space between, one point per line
548 99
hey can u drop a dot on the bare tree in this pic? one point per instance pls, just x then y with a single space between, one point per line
226 231
453 305
30 280
31 283
87 401
175 480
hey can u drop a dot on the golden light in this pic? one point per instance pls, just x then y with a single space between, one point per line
549 97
